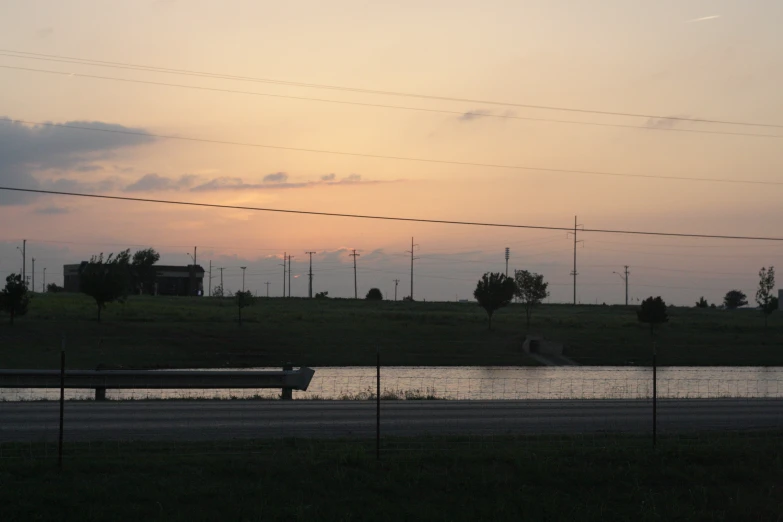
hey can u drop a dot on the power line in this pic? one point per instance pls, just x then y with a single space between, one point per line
126 65
376 105
386 218
399 158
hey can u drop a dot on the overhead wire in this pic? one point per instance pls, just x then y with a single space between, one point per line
126 65
386 106
385 218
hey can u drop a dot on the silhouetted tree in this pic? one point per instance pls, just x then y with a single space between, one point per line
14 297
52 288
322 295
494 291
652 312
531 290
702 303
217 291
374 295
243 300
734 299
106 280
764 295
143 269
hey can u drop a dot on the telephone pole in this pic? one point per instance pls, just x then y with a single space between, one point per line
413 248
624 277
222 288
210 278
508 254
289 275
43 286
285 258
24 260
574 272
32 286
243 277
355 287
396 282
267 288
310 287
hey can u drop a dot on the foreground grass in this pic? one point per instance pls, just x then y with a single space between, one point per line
150 332
598 478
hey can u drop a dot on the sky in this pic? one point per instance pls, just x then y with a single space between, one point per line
699 60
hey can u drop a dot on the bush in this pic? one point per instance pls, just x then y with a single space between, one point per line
374 295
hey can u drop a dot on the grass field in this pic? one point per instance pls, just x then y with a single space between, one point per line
717 478
149 332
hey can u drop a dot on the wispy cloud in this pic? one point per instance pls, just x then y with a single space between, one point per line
665 123
474 115
277 177
702 19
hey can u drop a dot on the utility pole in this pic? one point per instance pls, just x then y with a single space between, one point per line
574 272
195 290
508 253
222 288
396 282
243 277
289 275
624 277
210 278
32 286
413 248
310 287
43 286
355 287
267 288
285 258
24 260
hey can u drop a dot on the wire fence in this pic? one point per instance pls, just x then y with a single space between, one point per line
420 409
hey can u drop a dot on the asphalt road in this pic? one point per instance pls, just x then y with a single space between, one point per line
222 420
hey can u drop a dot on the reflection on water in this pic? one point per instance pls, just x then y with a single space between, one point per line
584 382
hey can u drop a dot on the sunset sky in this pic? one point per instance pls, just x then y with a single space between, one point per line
715 60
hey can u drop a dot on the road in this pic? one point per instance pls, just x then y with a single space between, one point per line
221 420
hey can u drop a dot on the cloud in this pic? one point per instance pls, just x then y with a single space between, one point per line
52 210
665 123
353 178
45 32
29 150
88 168
153 182
328 177
702 19
277 177
474 115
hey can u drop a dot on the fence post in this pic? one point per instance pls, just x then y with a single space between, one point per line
655 397
62 404
288 393
378 404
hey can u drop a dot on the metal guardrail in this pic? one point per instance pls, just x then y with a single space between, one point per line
101 380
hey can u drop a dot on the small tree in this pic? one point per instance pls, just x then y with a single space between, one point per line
374 295
217 291
106 280
14 297
143 269
734 299
242 300
764 295
322 295
52 288
652 312
531 290
702 303
494 291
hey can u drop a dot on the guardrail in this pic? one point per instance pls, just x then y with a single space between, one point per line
287 380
